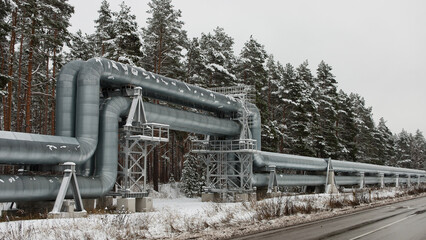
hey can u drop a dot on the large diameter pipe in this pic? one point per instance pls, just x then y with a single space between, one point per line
286 161
262 180
23 148
344 166
163 88
256 124
66 91
37 149
35 188
191 122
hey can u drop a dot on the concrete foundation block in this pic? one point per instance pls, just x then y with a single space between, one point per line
331 189
207 197
89 204
68 206
67 215
106 202
252 196
241 197
144 204
126 204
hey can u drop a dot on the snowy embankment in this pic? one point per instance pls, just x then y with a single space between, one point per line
181 218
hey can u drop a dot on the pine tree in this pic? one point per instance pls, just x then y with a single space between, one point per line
193 178
403 146
304 114
325 138
217 58
104 30
346 128
418 150
365 140
290 99
273 126
386 144
82 46
251 68
163 40
194 64
127 44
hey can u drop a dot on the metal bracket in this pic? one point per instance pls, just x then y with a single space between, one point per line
272 179
137 110
69 177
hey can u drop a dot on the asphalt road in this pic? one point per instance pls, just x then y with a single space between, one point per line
399 221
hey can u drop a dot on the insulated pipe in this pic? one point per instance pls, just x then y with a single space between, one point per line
162 88
262 180
66 91
256 125
191 122
23 188
344 166
286 161
46 149
35 188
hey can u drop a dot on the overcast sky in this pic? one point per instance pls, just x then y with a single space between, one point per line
377 48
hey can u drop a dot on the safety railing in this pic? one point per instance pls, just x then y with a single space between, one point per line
149 131
241 145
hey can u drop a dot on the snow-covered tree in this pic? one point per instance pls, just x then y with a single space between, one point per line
325 139
163 39
193 176
194 64
418 150
104 30
386 145
346 128
251 69
82 46
365 139
305 113
217 58
127 44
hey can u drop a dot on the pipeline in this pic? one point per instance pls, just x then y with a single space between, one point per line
84 132
293 162
78 122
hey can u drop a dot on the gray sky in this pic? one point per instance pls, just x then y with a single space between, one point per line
377 48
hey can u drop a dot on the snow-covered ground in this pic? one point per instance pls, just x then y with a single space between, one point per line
178 217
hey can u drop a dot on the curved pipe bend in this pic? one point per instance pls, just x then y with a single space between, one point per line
34 188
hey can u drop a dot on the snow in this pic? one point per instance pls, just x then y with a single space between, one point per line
51 147
175 216
114 65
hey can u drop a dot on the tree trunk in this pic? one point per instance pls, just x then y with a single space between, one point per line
1 71
269 99
46 97
30 70
155 169
19 114
52 112
8 117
